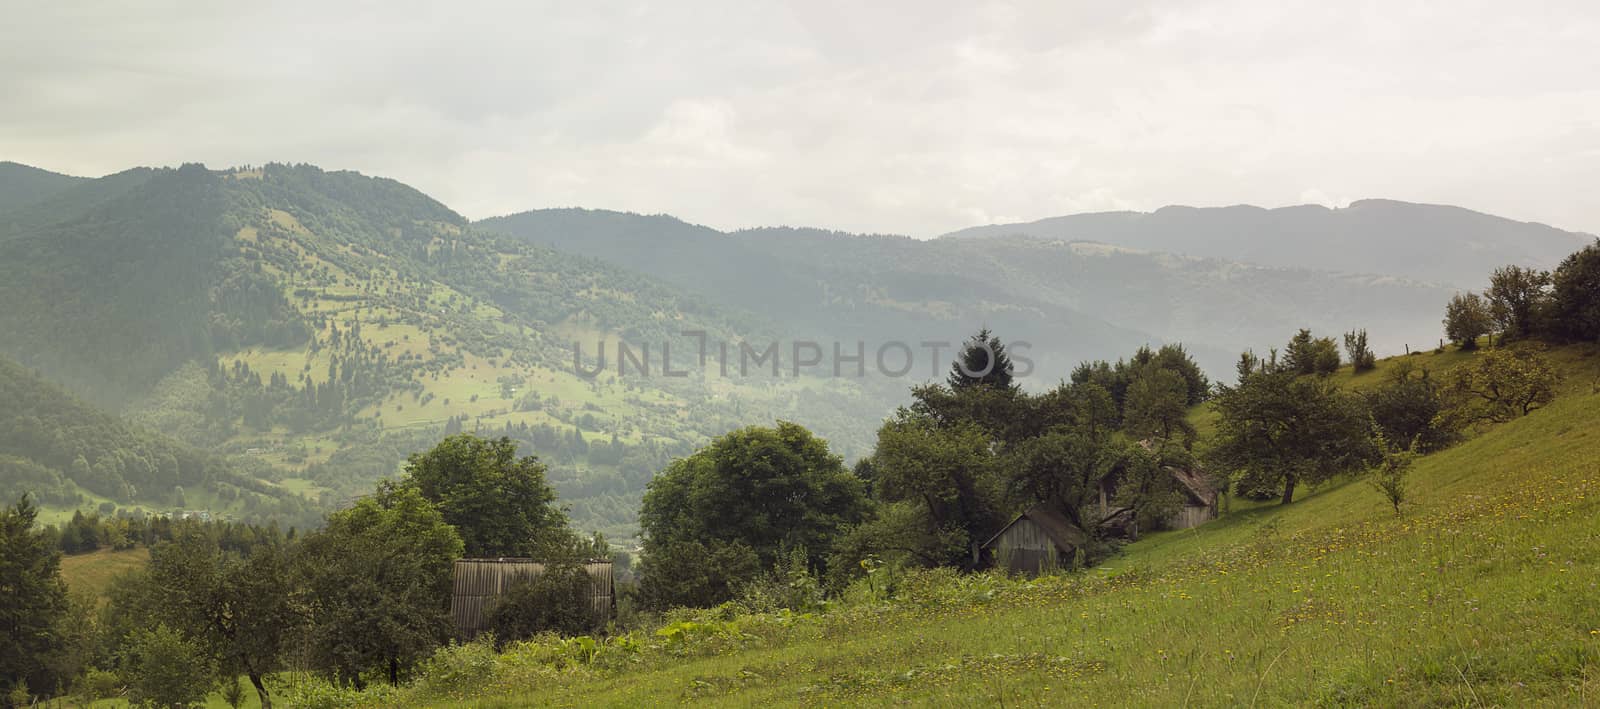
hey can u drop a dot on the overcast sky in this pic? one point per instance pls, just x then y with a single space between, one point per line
904 118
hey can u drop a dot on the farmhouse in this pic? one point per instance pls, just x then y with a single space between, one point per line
479 582
1038 541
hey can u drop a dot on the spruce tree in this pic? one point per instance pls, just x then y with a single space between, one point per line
981 362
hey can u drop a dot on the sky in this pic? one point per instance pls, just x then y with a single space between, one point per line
896 117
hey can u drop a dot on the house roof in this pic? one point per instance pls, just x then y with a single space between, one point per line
1196 485
1056 526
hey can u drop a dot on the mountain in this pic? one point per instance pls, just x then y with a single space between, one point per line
66 453
326 324
1440 244
1070 301
23 184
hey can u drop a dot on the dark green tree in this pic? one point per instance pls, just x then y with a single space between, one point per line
1279 429
1407 405
33 602
768 489
1311 355
164 668
1467 318
689 573
1517 298
238 608
500 504
948 473
982 361
559 599
1157 408
1575 307
377 585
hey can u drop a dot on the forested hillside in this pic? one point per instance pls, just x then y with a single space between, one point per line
321 325
67 454
22 184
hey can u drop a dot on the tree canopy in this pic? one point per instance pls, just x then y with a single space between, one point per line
500 504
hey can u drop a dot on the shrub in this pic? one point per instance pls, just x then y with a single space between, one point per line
164 668
1361 356
459 669
559 600
1406 407
100 684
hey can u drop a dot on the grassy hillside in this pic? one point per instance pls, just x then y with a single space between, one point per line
1482 594
93 572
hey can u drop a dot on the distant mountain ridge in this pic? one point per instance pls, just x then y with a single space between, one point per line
24 184
1071 301
1435 243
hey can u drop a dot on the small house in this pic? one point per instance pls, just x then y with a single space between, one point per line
478 583
1039 540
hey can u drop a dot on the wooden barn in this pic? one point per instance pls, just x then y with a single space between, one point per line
1199 506
1199 499
1039 540
478 582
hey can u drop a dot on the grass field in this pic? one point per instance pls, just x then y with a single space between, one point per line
1485 592
93 572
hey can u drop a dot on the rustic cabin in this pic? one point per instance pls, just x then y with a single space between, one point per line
1198 507
1038 541
479 582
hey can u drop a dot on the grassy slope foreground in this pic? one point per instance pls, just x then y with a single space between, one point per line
1487 591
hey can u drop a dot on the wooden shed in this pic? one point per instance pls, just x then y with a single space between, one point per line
478 582
1199 504
1038 541
1199 499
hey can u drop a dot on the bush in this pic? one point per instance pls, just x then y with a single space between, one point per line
1406 408
559 600
164 668
1362 358
455 670
100 684
790 585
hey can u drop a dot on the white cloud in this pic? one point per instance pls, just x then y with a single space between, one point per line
899 117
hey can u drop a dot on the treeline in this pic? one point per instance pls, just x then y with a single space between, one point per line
761 507
52 440
1524 303
56 447
362 599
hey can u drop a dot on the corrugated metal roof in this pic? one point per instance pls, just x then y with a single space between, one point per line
478 582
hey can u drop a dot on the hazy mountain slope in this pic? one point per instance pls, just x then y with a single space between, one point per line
1442 244
23 184
1070 301
67 453
832 287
